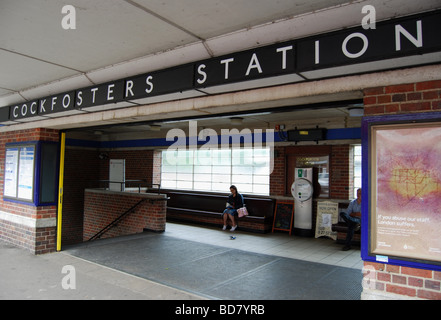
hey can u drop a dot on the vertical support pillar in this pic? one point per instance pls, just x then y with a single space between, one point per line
60 190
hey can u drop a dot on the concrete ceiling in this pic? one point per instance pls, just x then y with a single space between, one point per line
35 49
114 39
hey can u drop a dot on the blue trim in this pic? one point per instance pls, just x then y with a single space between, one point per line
343 134
366 184
19 145
332 134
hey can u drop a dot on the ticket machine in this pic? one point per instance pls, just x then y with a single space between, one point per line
302 191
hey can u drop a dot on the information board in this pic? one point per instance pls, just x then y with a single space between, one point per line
11 169
26 173
19 172
283 216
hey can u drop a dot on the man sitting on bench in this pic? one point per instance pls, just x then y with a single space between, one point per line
352 217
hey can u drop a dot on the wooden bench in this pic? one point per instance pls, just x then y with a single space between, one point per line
207 209
342 229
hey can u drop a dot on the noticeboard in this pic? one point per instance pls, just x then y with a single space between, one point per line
283 216
19 172
327 215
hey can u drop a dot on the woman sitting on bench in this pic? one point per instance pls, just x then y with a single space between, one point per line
235 201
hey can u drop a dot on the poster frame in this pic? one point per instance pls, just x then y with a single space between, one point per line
20 147
36 171
368 165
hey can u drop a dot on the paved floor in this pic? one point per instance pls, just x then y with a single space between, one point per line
24 276
322 250
207 263
187 263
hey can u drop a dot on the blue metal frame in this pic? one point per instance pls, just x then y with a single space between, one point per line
367 122
37 168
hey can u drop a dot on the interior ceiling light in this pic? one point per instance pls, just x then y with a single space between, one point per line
356 112
236 120
155 127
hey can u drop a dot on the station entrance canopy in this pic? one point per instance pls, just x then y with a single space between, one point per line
395 43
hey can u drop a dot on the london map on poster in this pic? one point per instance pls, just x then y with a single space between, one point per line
407 191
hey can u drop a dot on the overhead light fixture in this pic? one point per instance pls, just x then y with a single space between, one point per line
155 127
236 120
356 112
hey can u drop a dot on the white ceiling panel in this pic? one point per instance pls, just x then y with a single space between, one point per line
19 72
107 32
212 18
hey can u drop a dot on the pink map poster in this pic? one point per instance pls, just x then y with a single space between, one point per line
406 191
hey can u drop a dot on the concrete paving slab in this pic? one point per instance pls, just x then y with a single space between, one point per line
24 276
217 272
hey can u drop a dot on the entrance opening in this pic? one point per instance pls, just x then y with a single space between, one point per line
141 145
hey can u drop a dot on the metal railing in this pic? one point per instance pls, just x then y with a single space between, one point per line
115 222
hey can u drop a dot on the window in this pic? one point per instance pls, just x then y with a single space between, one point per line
357 168
217 169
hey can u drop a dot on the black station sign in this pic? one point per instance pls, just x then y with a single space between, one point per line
409 36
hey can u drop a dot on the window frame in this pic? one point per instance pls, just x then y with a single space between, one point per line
215 162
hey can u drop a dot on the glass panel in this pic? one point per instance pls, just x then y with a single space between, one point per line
242 170
245 178
203 186
211 170
202 177
261 179
226 170
221 187
357 150
188 185
244 188
261 189
203 169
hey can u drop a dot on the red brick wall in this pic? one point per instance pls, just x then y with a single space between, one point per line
81 170
100 209
278 176
36 240
403 99
340 173
139 164
410 282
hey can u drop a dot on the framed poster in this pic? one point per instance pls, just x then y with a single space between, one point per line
19 172
403 167
26 173
31 173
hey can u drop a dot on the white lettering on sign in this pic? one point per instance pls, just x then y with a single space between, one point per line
226 62
361 52
418 41
254 64
148 81
283 51
202 73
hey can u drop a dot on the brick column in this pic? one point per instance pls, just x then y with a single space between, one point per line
382 281
25 225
